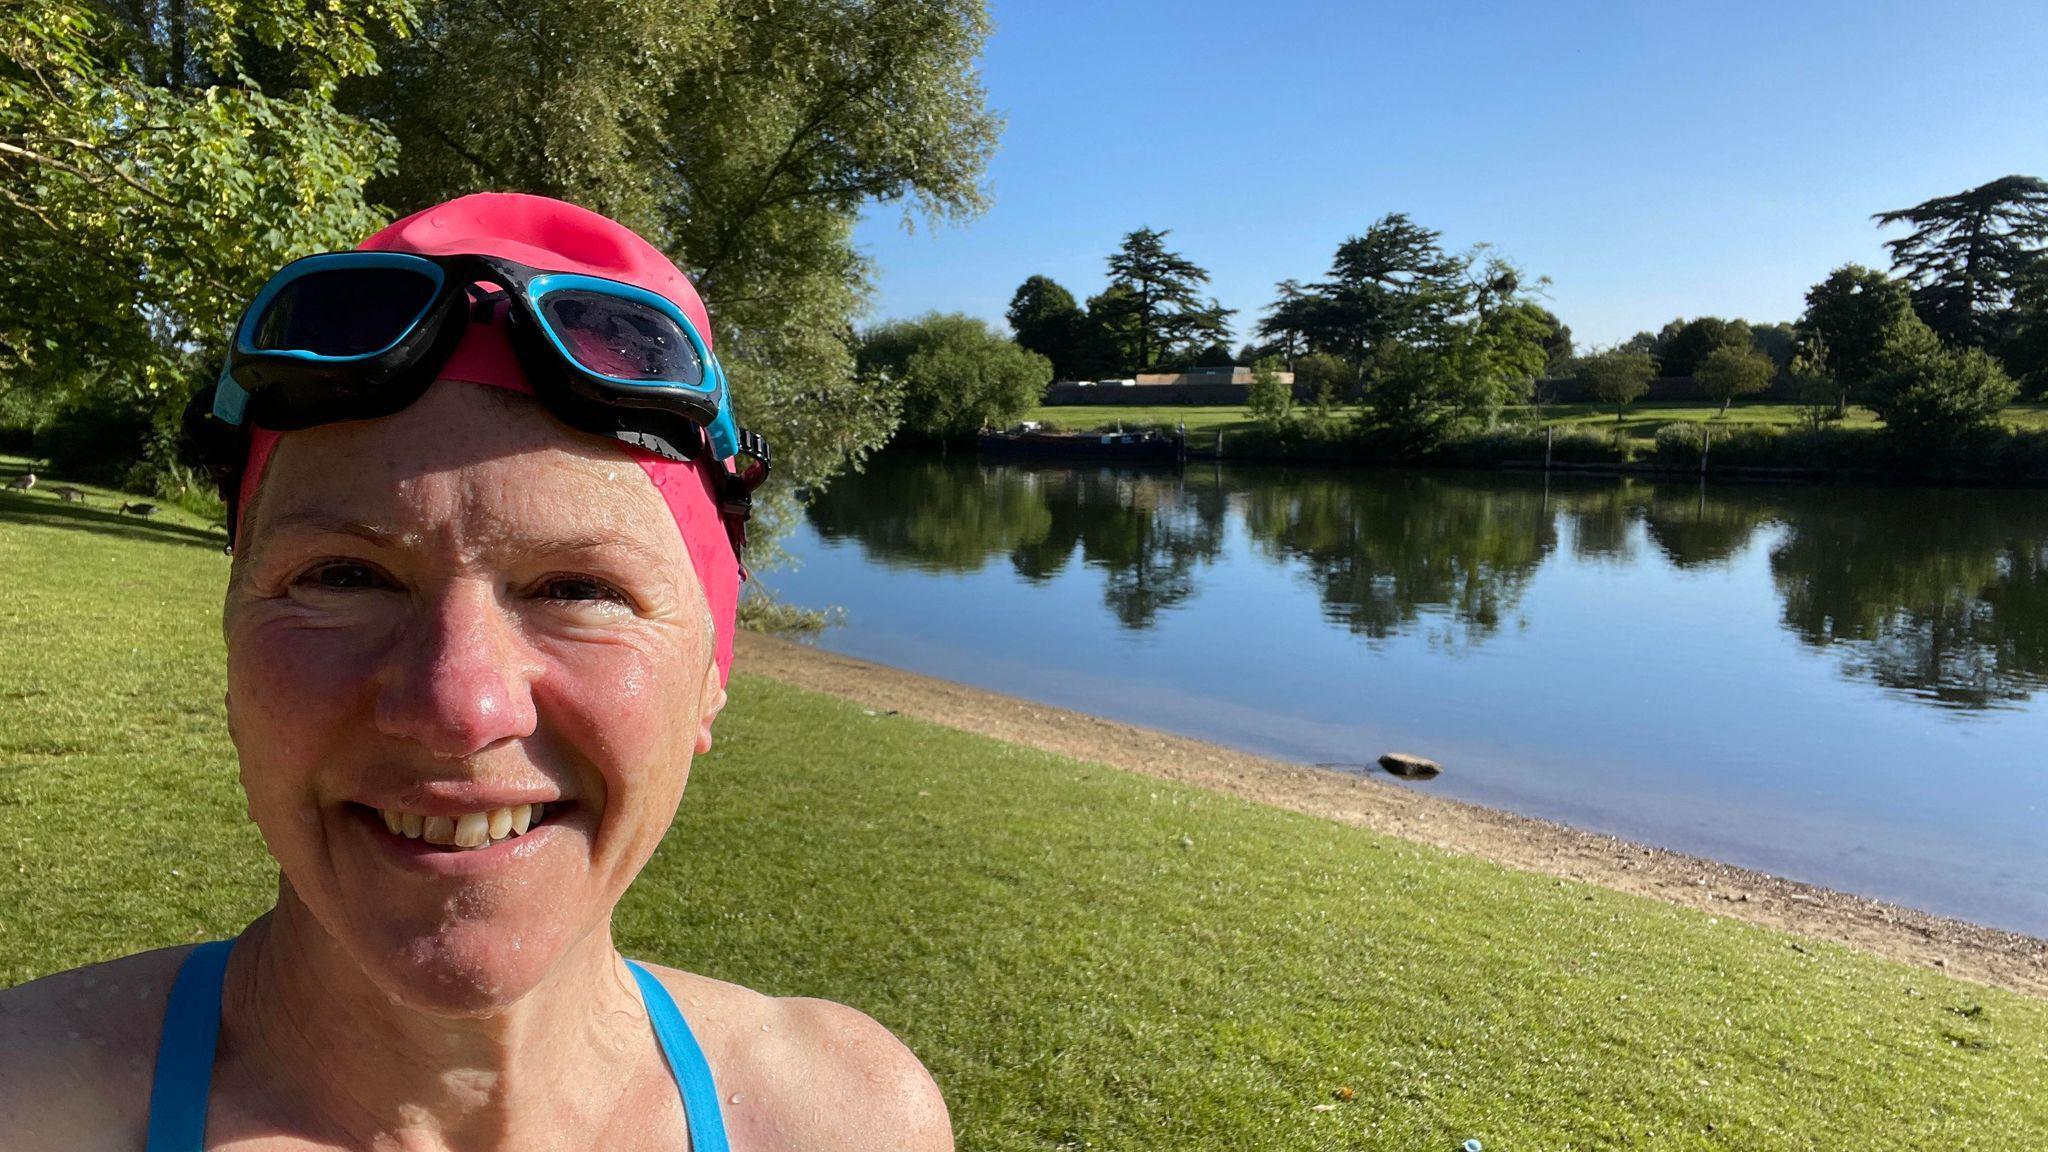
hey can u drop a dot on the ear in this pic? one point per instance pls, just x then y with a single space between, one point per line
710 704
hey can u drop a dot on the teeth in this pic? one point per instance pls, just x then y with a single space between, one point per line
469 830
473 830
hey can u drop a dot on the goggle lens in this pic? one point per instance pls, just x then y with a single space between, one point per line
344 311
622 339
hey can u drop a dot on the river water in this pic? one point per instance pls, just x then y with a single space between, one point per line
1842 684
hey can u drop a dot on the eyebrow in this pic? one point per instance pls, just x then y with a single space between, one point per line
321 523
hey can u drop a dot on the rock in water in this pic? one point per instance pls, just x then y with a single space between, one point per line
1411 767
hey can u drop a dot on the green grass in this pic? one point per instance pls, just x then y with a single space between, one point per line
1088 417
1639 422
1084 957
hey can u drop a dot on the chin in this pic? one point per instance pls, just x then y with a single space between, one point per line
461 968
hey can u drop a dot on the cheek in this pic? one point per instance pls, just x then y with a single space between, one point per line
291 692
628 710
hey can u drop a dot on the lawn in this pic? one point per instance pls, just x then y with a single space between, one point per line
1085 958
1639 422
1088 418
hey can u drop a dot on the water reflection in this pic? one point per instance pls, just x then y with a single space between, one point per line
1940 596
1145 530
1384 555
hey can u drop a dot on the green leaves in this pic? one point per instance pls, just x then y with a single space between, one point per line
153 171
1968 253
1937 403
955 375
1152 309
149 180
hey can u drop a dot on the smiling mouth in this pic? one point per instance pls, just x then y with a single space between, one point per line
469 830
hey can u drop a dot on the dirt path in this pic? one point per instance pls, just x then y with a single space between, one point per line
1986 955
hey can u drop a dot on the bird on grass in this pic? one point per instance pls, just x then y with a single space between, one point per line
139 509
68 494
23 482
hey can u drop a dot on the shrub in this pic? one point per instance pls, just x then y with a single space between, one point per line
955 375
1271 402
1678 445
1525 446
1939 405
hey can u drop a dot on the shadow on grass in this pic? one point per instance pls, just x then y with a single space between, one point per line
17 508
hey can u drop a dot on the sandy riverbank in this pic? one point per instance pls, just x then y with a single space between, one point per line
1971 951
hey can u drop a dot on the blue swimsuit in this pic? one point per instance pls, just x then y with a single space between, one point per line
184 1058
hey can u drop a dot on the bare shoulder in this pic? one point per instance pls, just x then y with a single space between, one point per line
809 1073
79 1047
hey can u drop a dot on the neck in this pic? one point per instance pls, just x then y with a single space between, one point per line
329 1055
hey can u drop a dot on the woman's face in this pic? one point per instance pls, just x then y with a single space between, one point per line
456 610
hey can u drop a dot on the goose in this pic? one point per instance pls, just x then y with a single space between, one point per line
139 509
23 482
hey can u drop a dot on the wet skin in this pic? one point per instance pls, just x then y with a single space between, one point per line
461 607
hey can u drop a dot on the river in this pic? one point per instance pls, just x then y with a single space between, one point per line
1840 684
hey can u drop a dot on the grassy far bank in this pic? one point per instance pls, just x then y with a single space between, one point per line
1639 422
1085 958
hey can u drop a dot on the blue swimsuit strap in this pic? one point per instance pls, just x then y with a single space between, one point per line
686 1063
184 1056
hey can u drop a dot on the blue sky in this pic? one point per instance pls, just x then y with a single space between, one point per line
1654 160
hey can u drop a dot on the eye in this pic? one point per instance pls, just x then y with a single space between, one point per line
578 589
342 576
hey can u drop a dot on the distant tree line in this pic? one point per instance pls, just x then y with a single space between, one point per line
1433 340
1432 344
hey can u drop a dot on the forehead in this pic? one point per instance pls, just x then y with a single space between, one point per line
474 464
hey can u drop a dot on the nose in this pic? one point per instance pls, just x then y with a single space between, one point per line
461 677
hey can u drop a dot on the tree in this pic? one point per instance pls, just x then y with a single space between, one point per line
1936 402
1109 333
1686 347
1557 347
1967 252
157 162
1326 378
1730 371
1161 312
1618 377
1645 342
2025 351
1392 285
1048 321
1290 320
1271 401
954 374
744 141
1778 341
1846 321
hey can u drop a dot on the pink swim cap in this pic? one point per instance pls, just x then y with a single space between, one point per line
560 237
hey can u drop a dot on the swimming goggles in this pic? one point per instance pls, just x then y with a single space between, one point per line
357 335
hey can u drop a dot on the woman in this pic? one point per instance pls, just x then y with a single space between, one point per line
487 497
